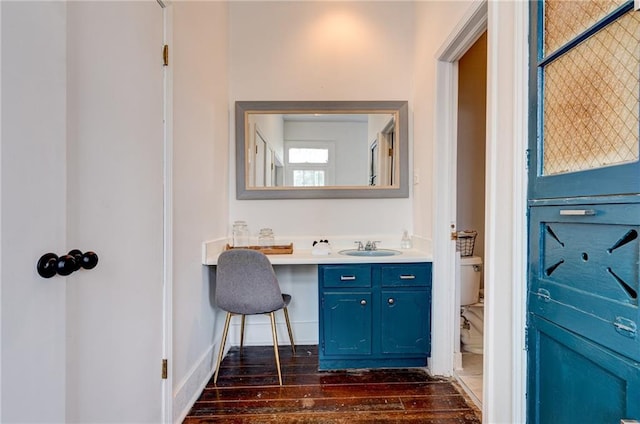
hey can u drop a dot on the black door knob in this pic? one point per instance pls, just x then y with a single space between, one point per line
77 256
66 265
47 265
50 264
89 260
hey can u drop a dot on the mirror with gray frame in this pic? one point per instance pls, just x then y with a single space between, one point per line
323 149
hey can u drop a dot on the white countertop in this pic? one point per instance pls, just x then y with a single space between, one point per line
212 250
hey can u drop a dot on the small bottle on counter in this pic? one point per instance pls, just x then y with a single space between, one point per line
240 234
405 243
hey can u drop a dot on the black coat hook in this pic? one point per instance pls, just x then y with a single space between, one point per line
51 264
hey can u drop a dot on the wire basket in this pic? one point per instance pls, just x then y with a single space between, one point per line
466 242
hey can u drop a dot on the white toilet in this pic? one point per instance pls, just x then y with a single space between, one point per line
472 306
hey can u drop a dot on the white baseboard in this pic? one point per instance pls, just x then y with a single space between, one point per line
187 392
457 360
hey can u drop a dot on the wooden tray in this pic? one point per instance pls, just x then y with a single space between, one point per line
268 250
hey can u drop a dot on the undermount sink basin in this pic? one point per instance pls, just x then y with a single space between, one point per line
369 253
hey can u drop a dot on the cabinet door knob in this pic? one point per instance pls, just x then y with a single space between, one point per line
363 302
390 301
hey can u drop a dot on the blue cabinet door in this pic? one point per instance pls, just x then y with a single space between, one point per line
346 323
405 322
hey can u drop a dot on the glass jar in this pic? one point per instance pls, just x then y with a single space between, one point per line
266 238
240 234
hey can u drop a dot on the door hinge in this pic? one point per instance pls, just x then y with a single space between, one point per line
454 233
165 371
390 152
527 159
165 55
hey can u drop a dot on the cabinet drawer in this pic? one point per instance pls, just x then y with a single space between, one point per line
406 275
346 276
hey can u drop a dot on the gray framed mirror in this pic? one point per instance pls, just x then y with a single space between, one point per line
321 149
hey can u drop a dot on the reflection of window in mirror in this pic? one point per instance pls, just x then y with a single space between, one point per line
309 164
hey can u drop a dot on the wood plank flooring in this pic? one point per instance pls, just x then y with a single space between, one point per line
248 392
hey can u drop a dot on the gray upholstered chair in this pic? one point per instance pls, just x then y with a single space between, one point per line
247 285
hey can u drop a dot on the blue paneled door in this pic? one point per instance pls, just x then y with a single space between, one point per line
584 213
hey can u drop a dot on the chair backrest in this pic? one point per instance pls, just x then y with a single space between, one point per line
246 283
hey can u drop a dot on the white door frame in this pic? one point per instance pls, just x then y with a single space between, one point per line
167 240
505 224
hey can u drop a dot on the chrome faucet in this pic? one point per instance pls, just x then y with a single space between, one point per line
371 245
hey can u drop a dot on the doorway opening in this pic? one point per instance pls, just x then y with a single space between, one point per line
470 215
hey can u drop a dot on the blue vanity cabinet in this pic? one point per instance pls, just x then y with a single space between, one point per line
374 315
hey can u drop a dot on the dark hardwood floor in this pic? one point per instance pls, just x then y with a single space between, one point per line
248 392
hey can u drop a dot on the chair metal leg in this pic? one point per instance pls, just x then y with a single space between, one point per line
222 343
242 332
275 344
286 318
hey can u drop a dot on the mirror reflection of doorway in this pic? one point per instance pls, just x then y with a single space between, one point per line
382 157
267 169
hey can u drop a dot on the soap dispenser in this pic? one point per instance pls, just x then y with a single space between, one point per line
405 243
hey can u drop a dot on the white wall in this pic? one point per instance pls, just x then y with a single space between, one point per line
200 180
434 22
321 51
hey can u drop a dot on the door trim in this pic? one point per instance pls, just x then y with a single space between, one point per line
505 251
466 33
167 239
